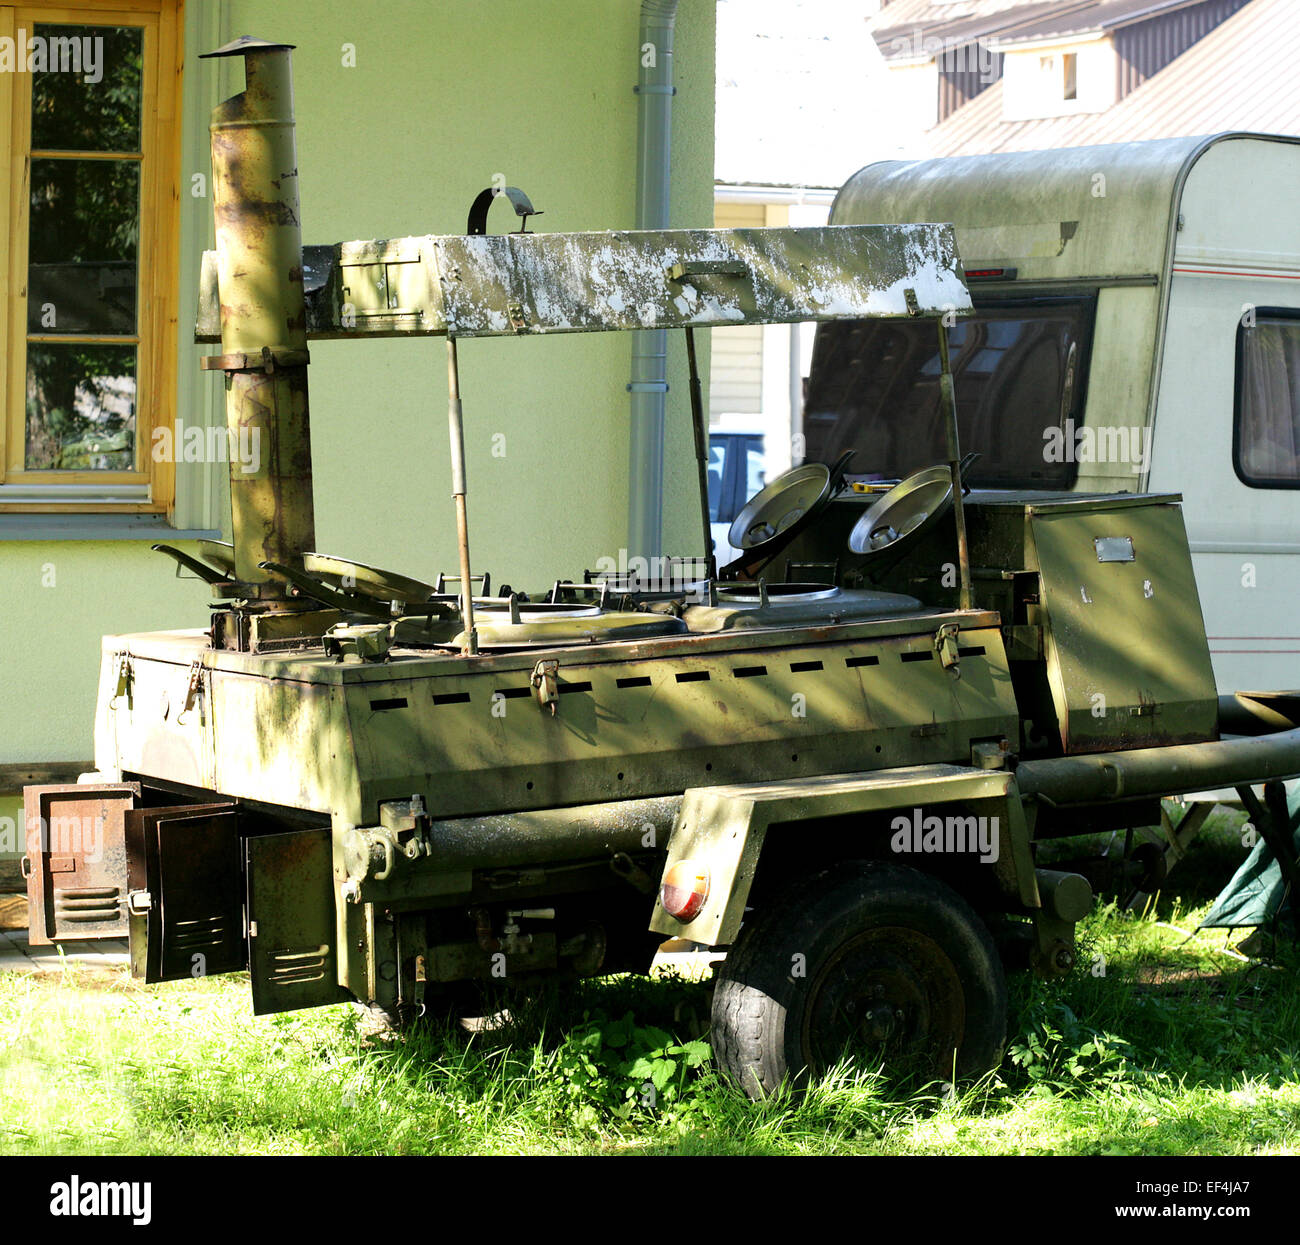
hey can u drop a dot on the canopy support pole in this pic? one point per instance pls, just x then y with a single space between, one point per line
948 407
456 428
700 425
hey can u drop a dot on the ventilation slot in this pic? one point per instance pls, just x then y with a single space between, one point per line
87 903
299 966
206 932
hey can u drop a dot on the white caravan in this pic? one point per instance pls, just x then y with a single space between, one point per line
1137 329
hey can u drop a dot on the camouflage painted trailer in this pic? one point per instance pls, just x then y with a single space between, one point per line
360 786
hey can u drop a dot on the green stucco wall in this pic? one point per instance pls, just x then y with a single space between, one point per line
443 94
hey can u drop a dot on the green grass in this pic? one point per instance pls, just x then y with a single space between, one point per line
1181 1047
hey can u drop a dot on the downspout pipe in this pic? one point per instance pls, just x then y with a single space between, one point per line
649 383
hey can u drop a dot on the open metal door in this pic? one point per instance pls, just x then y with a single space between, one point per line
291 921
75 861
185 894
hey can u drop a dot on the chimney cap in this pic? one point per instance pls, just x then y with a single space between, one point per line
247 43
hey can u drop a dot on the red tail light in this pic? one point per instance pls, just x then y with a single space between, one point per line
685 888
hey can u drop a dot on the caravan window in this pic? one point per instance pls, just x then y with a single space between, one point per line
1019 368
1266 424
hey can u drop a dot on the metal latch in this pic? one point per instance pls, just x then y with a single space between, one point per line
193 689
138 902
124 681
545 683
945 644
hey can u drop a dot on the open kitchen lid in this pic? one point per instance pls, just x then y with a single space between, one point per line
504 285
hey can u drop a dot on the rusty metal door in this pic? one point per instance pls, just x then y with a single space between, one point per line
75 861
291 921
185 891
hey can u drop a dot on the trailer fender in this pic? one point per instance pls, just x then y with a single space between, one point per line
719 833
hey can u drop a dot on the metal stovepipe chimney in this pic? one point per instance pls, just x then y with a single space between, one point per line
263 318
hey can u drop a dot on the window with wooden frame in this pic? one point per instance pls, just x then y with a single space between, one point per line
89 104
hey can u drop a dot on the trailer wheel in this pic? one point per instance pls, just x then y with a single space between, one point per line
877 961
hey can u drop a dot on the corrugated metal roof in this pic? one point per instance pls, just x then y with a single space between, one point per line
929 12
1241 76
913 26
1097 17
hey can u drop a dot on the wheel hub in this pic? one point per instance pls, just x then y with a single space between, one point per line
891 994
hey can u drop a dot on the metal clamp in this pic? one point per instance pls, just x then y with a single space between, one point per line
266 361
138 902
124 680
945 644
545 683
193 690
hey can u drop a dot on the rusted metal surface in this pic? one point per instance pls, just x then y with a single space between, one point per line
75 860
259 273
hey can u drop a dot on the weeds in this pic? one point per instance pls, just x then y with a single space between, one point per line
1157 1043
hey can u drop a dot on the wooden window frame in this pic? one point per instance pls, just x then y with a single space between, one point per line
150 489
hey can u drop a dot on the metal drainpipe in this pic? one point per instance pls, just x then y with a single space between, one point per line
649 383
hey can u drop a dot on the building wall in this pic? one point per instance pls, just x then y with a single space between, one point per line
915 90
1033 80
736 358
440 98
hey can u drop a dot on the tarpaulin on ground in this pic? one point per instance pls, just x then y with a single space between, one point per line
1257 893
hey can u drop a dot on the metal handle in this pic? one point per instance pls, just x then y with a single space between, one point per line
25 867
387 845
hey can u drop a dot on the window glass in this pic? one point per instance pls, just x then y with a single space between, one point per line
83 242
88 98
85 224
717 473
1018 366
80 407
1267 434
755 469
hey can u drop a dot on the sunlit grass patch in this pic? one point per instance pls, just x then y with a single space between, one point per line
1157 1044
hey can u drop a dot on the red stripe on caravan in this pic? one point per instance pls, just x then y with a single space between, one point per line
1232 272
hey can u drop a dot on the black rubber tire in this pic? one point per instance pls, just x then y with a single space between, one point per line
897 970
